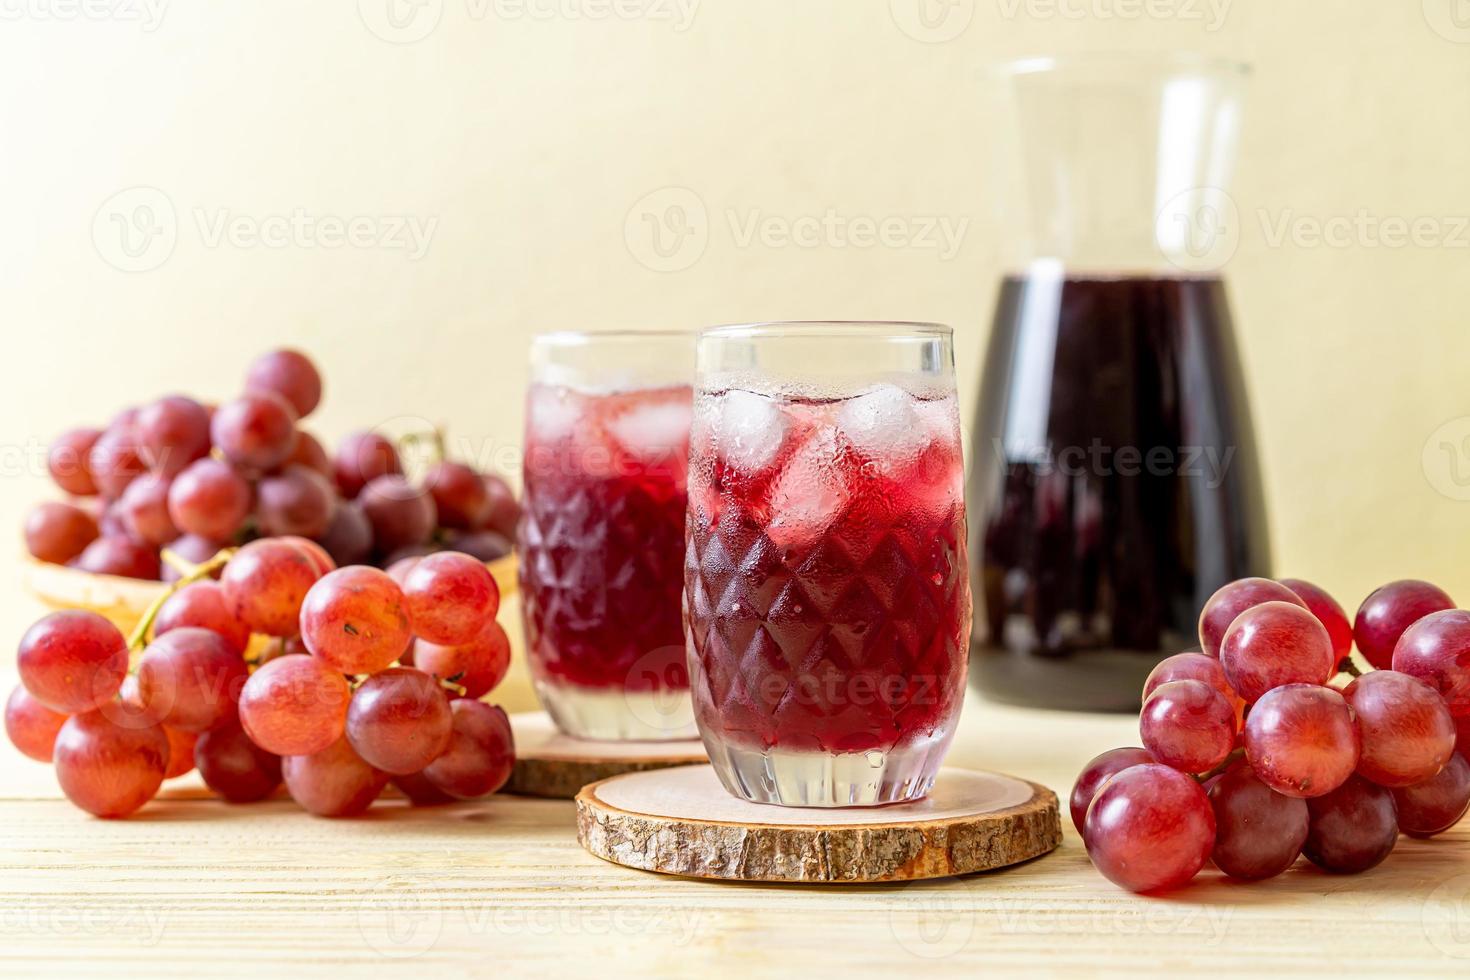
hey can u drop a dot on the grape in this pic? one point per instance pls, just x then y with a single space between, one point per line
192 549
256 431
1275 643
314 551
209 499
1188 726
486 546
356 619
1408 734
295 501
309 453
361 458
400 513
505 513
72 661
1229 601
420 791
399 720
144 510
1438 803
266 582
202 604
120 555
1353 827
459 494
290 375
114 461
69 461
477 666
1301 740
190 679
334 782
1188 667
349 538
31 725
1436 649
1149 828
480 755
57 532
128 710
107 769
1391 609
450 597
1258 831
172 432
295 705
1097 772
180 752
1462 736
235 767
1328 613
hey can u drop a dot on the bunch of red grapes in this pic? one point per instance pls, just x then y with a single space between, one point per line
187 477
1271 743
369 677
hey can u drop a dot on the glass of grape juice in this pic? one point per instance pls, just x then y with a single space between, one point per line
601 539
827 593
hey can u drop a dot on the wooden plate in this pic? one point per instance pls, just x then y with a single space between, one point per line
683 822
551 764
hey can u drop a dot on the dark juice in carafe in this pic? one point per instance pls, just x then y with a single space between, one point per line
1115 484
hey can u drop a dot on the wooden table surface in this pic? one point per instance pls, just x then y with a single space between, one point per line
193 886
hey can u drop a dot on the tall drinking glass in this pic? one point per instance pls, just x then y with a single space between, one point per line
827 592
601 540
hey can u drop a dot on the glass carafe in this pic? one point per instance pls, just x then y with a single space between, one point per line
1116 479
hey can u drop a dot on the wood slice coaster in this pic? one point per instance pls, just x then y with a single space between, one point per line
549 763
683 822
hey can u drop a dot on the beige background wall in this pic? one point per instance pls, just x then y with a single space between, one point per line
533 143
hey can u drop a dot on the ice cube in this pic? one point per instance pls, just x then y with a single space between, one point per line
552 413
653 430
810 493
885 426
748 429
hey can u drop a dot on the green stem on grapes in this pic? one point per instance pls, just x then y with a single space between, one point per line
191 573
1235 756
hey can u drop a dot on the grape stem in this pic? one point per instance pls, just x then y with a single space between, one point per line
1349 667
190 573
1235 756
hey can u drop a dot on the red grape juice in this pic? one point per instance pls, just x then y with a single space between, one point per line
601 559
827 592
1116 483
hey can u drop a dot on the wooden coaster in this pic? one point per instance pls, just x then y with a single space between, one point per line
683 822
549 763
